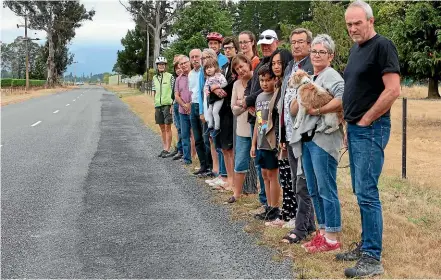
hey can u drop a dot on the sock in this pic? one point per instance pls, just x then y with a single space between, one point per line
331 241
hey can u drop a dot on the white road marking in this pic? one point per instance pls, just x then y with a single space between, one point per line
74 100
37 123
56 111
67 104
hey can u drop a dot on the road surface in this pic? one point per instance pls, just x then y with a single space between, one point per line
84 196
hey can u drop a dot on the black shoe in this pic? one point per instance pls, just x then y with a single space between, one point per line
207 174
178 156
366 266
354 253
268 214
273 214
200 171
165 154
172 154
162 153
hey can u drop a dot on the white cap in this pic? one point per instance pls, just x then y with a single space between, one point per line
267 37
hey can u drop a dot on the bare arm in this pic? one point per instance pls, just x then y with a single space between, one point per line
178 98
390 93
334 105
254 143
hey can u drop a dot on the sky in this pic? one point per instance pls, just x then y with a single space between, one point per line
96 42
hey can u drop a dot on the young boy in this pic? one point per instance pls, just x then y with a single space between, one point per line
264 140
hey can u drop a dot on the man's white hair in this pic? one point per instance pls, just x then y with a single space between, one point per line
365 6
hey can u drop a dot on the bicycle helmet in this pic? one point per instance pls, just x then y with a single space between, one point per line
214 36
160 59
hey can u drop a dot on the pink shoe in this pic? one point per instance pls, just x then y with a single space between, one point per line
316 240
323 246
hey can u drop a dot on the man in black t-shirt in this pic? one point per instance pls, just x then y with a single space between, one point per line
372 84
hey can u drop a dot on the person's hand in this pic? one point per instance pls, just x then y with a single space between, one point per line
312 112
253 151
363 122
220 92
187 108
282 146
202 117
171 110
252 110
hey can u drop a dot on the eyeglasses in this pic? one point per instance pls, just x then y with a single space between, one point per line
268 37
300 42
320 53
228 48
244 42
183 63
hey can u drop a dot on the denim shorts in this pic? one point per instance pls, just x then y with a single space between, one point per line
267 159
242 154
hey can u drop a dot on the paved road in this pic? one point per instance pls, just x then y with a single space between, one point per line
84 196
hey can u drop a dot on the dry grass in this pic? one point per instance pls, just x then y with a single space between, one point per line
412 208
417 92
8 97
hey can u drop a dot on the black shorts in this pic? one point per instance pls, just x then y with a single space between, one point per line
163 115
267 159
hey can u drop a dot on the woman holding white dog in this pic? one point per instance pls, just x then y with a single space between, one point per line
320 150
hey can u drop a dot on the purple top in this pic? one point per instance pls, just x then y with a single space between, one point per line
181 86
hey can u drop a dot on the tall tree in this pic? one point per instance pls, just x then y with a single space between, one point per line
156 16
58 19
195 21
415 28
328 18
131 60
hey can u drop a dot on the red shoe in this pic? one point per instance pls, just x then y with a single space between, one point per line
323 246
316 240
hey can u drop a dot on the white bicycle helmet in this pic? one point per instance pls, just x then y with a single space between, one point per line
160 59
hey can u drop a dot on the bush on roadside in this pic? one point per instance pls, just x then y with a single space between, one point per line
8 82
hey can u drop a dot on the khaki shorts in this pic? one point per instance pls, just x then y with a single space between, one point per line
162 115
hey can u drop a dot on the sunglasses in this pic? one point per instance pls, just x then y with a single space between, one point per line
268 37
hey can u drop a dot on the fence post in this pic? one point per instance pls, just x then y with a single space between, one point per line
404 140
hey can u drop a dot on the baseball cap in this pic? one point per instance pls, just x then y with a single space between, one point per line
267 37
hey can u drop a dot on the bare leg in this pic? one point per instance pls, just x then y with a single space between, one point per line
229 165
274 187
168 137
163 136
215 158
266 180
239 179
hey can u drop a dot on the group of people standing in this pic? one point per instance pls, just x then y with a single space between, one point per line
241 111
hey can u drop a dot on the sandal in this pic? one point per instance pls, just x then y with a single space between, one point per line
291 240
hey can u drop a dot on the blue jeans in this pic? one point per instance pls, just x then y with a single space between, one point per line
321 179
366 156
242 154
202 144
262 194
185 134
220 157
177 121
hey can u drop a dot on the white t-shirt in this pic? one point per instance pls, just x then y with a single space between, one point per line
193 84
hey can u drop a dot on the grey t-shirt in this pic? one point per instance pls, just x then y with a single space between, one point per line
262 112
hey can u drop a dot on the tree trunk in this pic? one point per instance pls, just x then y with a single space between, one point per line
433 88
51 62
158 27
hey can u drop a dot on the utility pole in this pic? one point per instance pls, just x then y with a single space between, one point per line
26 39
147 58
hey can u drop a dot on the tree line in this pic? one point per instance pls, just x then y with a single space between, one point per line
58 19
414 27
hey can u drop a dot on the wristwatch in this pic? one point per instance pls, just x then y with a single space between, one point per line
318 111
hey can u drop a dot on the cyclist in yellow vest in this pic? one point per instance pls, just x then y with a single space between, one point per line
163 92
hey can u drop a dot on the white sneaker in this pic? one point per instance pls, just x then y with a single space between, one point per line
290 224
210 181
218 182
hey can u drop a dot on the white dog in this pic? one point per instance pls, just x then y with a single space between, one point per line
310 95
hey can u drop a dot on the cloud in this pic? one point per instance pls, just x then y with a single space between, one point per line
109 25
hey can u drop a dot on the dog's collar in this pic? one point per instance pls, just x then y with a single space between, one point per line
304 83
